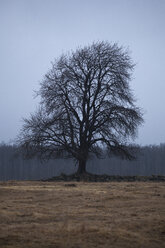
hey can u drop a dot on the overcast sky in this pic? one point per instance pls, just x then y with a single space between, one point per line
34 32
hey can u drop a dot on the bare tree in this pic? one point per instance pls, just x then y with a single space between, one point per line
86 105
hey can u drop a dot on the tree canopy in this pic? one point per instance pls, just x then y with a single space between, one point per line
86 105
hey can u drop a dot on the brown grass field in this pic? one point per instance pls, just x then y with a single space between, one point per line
56 214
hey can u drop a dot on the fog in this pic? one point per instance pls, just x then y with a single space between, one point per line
33 33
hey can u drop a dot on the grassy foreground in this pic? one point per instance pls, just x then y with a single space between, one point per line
82 214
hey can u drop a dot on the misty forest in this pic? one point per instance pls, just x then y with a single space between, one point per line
13 166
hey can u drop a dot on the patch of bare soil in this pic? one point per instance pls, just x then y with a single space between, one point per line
82 214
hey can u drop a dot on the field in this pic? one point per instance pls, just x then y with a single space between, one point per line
81 214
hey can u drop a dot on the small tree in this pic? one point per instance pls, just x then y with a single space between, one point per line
86 105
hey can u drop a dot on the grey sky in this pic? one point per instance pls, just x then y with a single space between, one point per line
34 32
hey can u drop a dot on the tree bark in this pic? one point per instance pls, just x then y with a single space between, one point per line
81 167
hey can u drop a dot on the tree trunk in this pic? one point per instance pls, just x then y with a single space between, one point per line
81 167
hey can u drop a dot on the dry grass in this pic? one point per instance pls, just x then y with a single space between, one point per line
52 215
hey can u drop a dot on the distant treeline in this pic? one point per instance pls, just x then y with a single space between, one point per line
150 161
